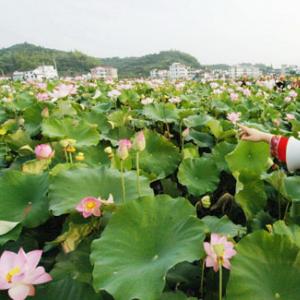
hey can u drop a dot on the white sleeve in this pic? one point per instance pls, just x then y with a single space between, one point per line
293 154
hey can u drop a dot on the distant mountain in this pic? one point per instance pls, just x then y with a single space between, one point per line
141 66
26 56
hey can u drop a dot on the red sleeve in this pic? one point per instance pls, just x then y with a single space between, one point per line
282 149
278 147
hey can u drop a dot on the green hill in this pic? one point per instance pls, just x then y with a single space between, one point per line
141 66
26 56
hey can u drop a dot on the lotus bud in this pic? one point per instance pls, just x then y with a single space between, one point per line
205 201
45 112
21 121
43 151
80 156
185 132
270 228
124 146
140 142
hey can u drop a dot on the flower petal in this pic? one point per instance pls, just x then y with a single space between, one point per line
20 291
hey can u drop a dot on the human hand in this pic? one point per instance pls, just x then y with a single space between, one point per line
254 135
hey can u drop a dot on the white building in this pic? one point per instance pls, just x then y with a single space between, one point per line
178 71
159 74
40 73
104 72
45 72
239 71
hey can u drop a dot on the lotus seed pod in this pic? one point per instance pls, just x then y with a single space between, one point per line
205 201
80 156
108 150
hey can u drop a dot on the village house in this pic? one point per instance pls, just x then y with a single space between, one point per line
104 72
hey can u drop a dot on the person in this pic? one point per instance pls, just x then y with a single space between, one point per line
285 149
281 83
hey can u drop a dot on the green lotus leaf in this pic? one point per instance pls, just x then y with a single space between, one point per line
94 117
119 118
18 139
66 289
33 119
23 198
199 175
166 113
175 296
292 231
292 187
196 120
144 239
116 134
266 267
80 131
249 157
277 180
12 235
160 158
219 153
6 226
215 127
250 194
201 139
70 186
223 226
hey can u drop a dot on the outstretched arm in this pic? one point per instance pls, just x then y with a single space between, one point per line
285 149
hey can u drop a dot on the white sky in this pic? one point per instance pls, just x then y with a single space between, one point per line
214 31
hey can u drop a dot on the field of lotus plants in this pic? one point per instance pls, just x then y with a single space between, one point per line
142 190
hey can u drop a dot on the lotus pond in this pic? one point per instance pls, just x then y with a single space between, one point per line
142 190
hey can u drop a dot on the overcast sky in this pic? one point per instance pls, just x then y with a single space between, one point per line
214 31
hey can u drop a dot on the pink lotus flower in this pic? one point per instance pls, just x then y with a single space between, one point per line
19 272
124 147
140 142
234 117
41 85
214 85
287 99
146 101
89 206
293 94
219 251
43 151
42 96
64 90
246 92
217 92
234 96
175 100
113 93
290 117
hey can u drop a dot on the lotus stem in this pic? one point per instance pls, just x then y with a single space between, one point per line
138 173
220 280
202 278
123 181
71 158
66 156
